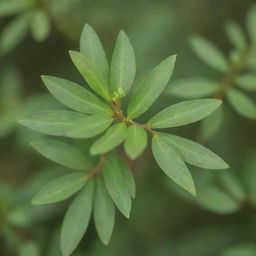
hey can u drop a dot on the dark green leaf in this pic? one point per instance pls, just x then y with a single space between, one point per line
251 23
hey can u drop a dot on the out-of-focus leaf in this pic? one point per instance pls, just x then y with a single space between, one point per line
183 113
151 87
251 23
247 82
244 249
30 248
11 7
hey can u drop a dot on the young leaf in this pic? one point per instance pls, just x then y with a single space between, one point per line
62 153
183 113
242 103
236 35
14 33
193 88
135 142
90 72
247 82
172 164
123 66
75 96
92 48
8 7
251 23
76 220
194 153
104 212
116 184
60 189
66 123
113 137
208 53
40 25
151 87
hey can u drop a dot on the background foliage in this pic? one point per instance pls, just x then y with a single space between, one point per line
164 220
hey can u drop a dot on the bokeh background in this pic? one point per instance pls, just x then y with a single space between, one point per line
165 221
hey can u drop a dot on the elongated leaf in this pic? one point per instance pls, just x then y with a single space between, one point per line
113 137
62 153
60 189
193 88
11 7
66 123
194 153
236 35
14 33
183 113
116 184
242 103
75 96
40 25
123 66
76 220
209 54
91 74
104 212
151 87
172 164
251 23
247 82
92 48
135 142
241 249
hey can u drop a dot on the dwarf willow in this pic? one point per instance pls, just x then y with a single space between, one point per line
110 182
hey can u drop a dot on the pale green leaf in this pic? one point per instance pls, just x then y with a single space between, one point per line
75 96
60 189
76 220
66 123
251 23
29 249
113 137
135 142
183 113
116 184
62 153
104 212
123 66
209 54
194 153
40 25
193 88
90 72
172 164
247 82
242 103
151 87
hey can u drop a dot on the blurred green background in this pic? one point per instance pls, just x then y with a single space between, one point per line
164 220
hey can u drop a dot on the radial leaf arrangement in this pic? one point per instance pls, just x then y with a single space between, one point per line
239 73
98 109
29 15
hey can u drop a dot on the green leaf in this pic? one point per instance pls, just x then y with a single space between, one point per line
151 87
123 66
30 248
193 88
209 54
194 153
75 96
251 23
236 35
91 73
66 123
14 33
40 25
104 212
62 153
113 137
116 184
135 142
183 113
215 200
60 189
76 220
172 164
8 7
247 82
243 249
242 103
91 47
